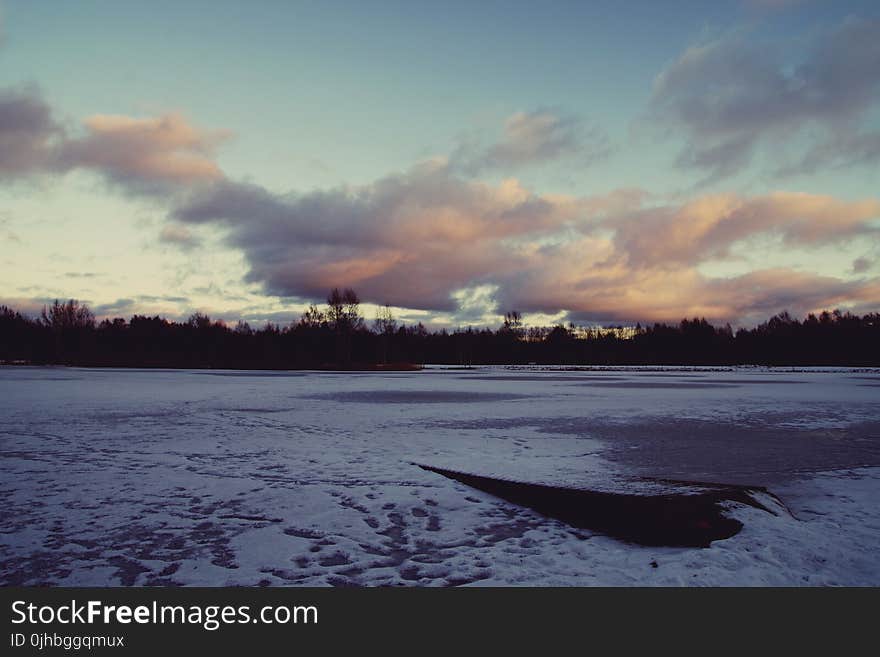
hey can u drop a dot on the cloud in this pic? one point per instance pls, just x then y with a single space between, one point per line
731 99
408 239
473 304
6 233
837 151
707 227
118 308
27 132
149 298
140 155
144 154
670 294
532 138
82 274
178 235
861 265
428 240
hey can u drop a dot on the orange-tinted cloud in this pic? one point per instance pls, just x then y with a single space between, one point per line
707 227
140 153
620 294
417 239
178 235
408 239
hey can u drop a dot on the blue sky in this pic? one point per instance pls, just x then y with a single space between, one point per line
414 126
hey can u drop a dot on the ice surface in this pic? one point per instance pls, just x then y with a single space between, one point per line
213 478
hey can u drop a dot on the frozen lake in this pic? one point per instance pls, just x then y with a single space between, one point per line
292 478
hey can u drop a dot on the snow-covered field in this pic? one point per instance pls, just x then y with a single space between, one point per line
253 478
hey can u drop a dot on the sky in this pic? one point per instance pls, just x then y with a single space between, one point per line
595 162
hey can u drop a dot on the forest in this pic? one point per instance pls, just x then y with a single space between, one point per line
339 337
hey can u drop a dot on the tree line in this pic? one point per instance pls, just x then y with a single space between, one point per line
338 336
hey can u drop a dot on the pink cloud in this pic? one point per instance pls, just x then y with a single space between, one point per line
140 155
418 238
708 226
178 235
135 152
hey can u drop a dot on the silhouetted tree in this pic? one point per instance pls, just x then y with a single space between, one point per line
71 315
343 310
513 323
313 317
243 328
385 325
70 324
66 333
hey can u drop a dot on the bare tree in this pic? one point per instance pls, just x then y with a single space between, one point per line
385 325
313 317
352 309
343 313
343 309
69 315
513 323
199 321
70 323
385 322
243 328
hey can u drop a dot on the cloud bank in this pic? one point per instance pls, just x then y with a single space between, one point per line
408 240
420 238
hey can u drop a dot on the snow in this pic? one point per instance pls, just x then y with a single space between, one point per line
142 477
